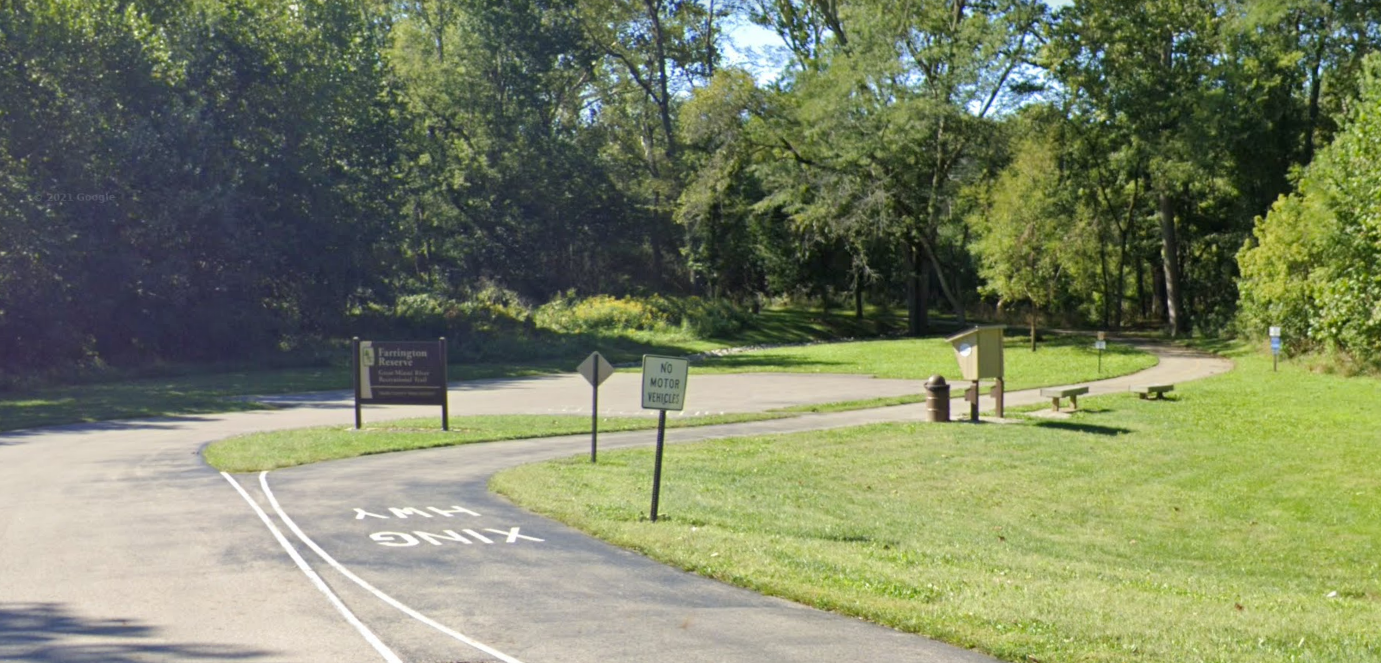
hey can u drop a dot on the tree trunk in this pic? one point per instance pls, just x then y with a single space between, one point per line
1157 291
1177 317
917 292
1140 290
1124 229
1315 87
858 298
1033 327
663 96
923 295
1104 276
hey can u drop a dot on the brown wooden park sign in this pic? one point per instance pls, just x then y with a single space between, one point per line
400 373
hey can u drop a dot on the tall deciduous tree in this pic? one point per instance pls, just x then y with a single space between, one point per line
889 103
1153 67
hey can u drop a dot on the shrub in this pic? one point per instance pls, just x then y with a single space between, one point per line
1315 268
603 314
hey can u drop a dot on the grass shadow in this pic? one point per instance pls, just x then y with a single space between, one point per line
1089 429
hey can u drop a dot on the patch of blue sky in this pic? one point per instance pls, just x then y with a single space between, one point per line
761 52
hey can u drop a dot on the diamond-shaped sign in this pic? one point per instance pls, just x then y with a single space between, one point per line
596 369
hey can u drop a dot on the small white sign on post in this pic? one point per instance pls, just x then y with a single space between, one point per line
1275 332
664 388
596 369
1100 345
664 382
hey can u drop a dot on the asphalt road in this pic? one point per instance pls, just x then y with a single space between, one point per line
118 544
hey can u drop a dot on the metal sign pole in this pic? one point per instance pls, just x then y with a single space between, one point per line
445 386
657 468
594 414
1275 349
355 364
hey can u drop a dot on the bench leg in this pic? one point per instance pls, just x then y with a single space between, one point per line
1143 396
1073 402
1055 404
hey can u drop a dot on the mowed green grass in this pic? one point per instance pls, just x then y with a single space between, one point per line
1239 522
1059 360
1066 360
185 390
271 451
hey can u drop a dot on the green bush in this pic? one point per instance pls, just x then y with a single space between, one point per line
493 325
489 324
1314 267
603 314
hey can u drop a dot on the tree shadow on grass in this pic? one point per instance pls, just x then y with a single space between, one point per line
49 632
1091 429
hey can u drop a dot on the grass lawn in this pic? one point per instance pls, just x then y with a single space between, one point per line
271 451
1060 360
1240 522
199 390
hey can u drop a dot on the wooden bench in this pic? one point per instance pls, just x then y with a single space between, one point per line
1145 391
1056 393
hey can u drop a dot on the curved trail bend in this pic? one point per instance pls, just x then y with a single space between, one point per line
117 544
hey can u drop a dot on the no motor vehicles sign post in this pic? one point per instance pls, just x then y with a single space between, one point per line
400 373
664 388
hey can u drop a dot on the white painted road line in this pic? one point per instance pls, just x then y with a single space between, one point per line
320 584
264 483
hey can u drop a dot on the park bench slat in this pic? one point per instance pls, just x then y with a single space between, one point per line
1056 393
1146 390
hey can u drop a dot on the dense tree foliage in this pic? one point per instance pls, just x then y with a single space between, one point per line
224 178
1314 268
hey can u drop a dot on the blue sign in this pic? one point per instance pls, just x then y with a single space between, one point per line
1275 344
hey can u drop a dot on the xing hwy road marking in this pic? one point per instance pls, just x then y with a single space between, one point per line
320 584
273 501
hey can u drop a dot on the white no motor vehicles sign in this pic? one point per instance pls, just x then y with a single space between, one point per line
664 382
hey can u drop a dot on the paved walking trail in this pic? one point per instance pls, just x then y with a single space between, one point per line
118 544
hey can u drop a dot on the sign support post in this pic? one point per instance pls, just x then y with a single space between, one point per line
657 467
1101 344
664 388
445 386
999 396
594 417
1275 349
355 366
596 369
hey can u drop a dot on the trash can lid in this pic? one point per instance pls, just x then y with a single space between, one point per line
936 381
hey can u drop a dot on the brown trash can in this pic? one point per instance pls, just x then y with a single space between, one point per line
936 399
